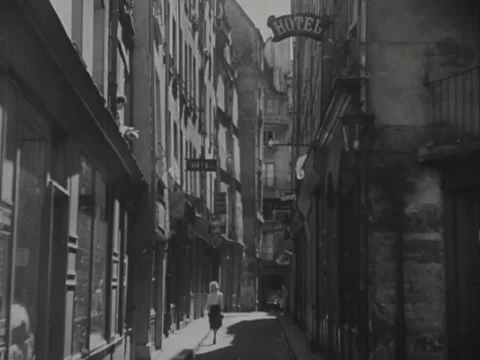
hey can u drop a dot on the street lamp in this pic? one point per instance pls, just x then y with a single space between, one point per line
356 128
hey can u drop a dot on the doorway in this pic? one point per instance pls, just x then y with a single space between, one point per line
462 259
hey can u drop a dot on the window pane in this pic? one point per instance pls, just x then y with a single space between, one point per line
97 312
83 260
24 315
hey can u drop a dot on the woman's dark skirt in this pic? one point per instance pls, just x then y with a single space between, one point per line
215 317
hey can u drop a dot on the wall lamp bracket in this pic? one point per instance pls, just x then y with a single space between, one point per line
272 143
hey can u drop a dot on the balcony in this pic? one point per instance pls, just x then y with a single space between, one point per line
454 116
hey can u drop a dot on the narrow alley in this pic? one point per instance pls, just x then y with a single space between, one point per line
247 336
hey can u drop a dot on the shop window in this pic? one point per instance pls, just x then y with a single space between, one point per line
91 262
8 152
123 281
25 317
116 258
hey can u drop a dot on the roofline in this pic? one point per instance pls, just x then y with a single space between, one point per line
250 21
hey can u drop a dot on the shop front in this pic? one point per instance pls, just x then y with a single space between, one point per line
67 200
231 253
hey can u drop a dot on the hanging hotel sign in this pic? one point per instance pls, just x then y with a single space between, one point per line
201 164
308 25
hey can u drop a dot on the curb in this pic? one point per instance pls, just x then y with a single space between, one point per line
292 350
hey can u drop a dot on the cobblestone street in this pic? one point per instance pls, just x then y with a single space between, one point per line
247 336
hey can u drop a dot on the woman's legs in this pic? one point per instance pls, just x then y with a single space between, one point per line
214 336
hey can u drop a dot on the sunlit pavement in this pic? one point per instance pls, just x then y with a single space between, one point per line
247 336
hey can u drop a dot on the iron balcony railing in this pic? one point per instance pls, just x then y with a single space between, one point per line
455 111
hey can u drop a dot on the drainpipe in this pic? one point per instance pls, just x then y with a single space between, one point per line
158 255
365 317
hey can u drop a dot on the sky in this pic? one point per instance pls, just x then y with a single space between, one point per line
260 10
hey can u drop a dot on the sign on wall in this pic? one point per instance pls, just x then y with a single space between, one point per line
201 164
217 226
220 203
308 25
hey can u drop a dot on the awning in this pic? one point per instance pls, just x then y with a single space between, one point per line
227 241
202 229
436 154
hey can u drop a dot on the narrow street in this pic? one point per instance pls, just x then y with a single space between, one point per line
247 336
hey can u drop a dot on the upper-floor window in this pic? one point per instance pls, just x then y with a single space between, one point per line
174 39
269 174
168 137
180 52
182 168
190 71
175 140
194 174
194 80
269 248
185 64
268 135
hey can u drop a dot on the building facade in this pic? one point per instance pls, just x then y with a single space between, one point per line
376 262
228 175
175 89
70 183
247 60
277 156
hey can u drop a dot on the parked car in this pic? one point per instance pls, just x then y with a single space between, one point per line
274 300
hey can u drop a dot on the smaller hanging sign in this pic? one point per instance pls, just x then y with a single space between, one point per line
220 203
217 226
302 24
201 164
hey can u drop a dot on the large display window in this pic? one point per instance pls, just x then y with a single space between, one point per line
63 234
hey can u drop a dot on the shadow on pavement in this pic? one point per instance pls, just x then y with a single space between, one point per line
246 339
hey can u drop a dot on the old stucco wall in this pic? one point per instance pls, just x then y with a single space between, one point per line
410 42
410 221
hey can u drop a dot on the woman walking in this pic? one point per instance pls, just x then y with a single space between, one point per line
214 308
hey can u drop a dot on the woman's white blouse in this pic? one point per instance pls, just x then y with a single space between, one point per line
215 299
